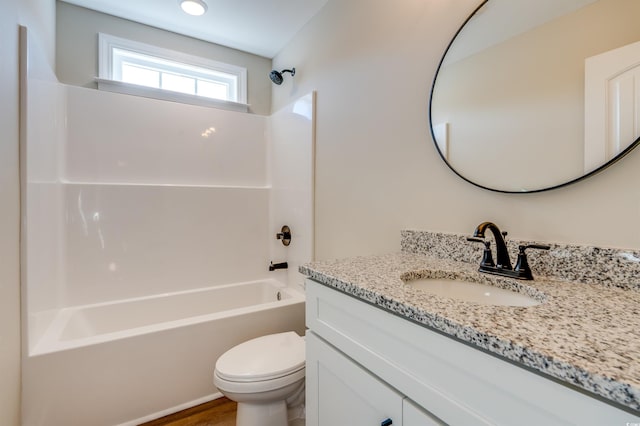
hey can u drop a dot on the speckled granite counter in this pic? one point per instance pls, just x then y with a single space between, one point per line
587 335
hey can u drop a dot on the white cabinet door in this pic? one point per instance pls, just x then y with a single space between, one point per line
340 392
413 415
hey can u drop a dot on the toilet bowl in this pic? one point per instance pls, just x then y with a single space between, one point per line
265 376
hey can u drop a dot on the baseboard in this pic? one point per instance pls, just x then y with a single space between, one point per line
172 410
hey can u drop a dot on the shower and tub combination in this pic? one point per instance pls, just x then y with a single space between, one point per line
149 228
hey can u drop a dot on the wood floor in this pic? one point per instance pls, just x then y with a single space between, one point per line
219 412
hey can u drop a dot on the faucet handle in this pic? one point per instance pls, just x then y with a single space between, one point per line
284 235
535 246
487 258
522 265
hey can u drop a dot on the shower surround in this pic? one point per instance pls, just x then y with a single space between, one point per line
133 203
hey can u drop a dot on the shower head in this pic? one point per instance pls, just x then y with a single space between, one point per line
276 76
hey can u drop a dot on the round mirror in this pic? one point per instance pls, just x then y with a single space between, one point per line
532 95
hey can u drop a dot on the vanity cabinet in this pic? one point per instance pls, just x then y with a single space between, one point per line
366 365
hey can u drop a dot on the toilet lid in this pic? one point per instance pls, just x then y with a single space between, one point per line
263 358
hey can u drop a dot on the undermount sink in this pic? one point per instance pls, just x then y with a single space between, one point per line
472 292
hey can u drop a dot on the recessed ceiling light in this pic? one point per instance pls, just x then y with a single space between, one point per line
193 7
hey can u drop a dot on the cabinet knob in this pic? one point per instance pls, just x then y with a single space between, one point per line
387 422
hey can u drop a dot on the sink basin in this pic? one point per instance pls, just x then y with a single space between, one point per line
472 292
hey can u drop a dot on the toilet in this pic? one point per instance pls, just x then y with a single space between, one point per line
265 376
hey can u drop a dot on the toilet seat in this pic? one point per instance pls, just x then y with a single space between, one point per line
278 356
229 387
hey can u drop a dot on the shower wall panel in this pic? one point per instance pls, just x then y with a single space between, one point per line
291 170
115 138
42 211
136 240
160 196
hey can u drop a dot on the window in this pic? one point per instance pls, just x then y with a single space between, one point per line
135 68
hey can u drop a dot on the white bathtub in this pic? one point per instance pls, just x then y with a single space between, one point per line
135 360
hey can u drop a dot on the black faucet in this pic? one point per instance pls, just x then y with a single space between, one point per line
274 266
503 263
502 255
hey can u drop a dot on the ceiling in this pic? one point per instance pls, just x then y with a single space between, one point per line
261 27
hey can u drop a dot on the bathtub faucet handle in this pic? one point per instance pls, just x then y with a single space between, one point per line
284 235
274 266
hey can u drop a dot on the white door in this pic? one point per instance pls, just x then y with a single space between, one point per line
341 392
612 103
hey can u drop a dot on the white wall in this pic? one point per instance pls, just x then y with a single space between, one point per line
38 15
372 63
77 50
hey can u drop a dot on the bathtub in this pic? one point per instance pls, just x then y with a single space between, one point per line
126 362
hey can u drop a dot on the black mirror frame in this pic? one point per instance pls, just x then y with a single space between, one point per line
433 137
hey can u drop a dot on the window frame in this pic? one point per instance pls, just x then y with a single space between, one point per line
107 43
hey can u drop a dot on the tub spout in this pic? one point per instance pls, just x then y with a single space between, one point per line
274 266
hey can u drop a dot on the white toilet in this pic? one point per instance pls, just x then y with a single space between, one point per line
265 376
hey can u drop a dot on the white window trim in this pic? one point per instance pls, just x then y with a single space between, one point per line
105 80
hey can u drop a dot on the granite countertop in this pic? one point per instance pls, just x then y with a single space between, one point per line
587 335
